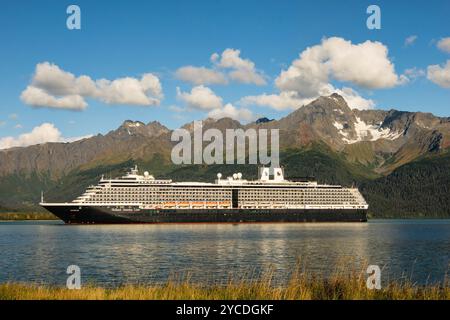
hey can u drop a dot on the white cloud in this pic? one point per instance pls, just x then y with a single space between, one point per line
444 44
409 41
242 70
440 75
290 100
226 66
282 101
55 88
354 100
246 76
365 65
18 126
229 111
204 99
52 79
13 116
200 75
143 92
46 132
200 97
39 98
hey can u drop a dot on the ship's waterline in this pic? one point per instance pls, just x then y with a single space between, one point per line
136 198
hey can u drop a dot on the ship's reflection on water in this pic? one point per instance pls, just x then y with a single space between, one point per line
118 254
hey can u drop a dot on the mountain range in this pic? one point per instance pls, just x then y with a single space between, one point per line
399 160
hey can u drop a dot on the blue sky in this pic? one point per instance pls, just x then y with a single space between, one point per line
132 38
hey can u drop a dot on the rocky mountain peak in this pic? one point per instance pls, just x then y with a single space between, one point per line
332 102
132 124
155 128
263 120
221 124
337 96
131 128
329 119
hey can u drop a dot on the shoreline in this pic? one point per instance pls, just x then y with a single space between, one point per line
27 216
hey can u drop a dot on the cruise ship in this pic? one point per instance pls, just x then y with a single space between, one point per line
136 198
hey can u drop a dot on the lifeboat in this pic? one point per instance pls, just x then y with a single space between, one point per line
225 204
211 204
183 204
169 205
197 204
264 205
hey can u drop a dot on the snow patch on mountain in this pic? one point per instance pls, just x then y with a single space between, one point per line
367 132
338 125
134 124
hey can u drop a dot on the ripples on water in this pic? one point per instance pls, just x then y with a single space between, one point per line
116 254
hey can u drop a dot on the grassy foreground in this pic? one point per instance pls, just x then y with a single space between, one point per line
299 287
15 216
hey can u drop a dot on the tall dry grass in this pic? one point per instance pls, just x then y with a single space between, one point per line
301 285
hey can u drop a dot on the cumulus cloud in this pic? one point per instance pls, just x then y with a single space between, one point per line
146 91
354 100
242 70
365 65
282 101
227 66
200 97
409 41
204 99
229 111
290 100
440 75
46 132
200 75
55 88
444 44
40 98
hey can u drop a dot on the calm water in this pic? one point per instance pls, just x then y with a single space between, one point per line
110 255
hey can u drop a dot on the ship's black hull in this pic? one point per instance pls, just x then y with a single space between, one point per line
105 215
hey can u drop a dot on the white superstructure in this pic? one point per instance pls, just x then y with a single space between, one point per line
270 191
